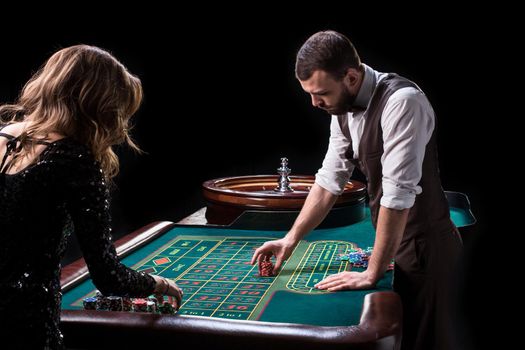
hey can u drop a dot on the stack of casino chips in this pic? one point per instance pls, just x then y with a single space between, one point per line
139 305
166 308
360 257
114 303
102 302
90 303
265 268
152 304
127 304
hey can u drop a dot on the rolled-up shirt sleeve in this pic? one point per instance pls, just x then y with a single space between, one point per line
336 169
408 123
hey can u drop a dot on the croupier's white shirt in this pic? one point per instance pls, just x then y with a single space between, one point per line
407 121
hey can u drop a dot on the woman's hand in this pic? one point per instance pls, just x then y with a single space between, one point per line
175 292
165 286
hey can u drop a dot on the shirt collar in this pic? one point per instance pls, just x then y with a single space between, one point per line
367 87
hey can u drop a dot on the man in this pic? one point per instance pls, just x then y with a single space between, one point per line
384 125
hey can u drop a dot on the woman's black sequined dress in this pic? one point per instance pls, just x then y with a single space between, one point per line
39 207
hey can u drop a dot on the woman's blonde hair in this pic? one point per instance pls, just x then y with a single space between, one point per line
83 93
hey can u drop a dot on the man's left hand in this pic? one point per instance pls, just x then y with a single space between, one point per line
347 280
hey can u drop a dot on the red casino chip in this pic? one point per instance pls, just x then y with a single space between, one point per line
265 268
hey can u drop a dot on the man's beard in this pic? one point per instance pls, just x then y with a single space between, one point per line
343 105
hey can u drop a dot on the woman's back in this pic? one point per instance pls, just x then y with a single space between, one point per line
51 185
38 206
33 233
33 211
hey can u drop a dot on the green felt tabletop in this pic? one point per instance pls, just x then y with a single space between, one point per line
212 267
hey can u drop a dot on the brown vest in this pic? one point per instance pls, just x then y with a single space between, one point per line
430 212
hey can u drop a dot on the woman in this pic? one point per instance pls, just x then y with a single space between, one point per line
56 159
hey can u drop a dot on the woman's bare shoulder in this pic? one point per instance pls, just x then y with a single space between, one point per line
18 128
14 129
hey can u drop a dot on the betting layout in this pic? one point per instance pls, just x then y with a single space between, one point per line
218 280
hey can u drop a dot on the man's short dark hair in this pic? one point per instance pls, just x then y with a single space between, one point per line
329 51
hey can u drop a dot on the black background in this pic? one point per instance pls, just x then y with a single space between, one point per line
221 100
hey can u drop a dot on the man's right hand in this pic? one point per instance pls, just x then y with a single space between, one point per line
280 248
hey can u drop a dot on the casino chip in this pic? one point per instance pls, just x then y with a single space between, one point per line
265 268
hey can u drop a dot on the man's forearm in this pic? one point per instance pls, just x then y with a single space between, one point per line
315 208
391 224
